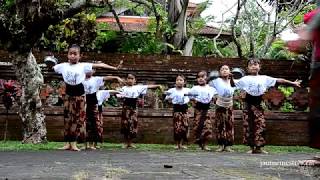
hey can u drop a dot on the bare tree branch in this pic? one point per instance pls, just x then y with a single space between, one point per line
239 6
115 15
158 19
220 31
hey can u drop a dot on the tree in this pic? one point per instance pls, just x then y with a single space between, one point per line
254 27
22 24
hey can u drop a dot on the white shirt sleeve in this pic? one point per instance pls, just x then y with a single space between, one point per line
99 81
169 95
87 67
240 84
270 81
59 68
142 89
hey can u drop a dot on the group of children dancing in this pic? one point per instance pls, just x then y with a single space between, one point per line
83 105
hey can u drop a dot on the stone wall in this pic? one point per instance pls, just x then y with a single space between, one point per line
155 126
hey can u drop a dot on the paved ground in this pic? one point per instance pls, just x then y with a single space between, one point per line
131 164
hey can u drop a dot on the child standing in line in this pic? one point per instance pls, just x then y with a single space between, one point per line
129 121
178 97
224 121
94 127
255 85
202 116
74 74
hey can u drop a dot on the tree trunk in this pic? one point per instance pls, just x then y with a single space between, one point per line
188 47
30 108
177 17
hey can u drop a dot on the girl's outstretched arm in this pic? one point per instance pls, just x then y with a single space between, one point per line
107 66
154 86
284 81
109 78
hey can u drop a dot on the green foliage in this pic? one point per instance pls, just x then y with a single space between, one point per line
287 106
144 43
278 51
7 4
195 25
299 18
205 47
81 29
287 91
103 35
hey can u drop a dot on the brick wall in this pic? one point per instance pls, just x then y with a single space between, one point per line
155 126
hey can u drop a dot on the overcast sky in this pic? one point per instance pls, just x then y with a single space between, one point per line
219 7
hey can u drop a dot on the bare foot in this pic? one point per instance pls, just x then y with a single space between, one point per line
259 151
220 149
124 146
228 149
184 147
66 147
74 149
176 147
206 148
250 151
131 146
92 148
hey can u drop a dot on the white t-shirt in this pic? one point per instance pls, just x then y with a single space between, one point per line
203 94
93 84
256 85
223 88
178 95
133 91
102 95
73 74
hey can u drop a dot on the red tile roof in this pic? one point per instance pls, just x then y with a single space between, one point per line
140 24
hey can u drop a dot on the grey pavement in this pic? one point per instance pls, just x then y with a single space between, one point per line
134 164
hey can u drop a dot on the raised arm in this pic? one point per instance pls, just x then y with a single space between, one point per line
109 78
106 66
284 81
154 86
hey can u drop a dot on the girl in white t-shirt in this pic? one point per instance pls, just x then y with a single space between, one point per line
203 95
94 126
74 74
178 96
129 121
255 86
224 121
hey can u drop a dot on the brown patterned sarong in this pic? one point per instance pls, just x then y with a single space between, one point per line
180 123
74 118
129 122
254 124
94 124
224 124
202 125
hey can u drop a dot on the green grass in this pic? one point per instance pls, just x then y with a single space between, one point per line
18 146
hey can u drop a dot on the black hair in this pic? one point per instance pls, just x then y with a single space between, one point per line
75 46
219 67
132 75
202 74
253 61
182 76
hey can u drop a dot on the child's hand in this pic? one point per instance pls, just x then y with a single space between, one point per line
120 65
121 81
297 83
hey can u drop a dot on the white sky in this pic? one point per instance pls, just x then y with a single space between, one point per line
220 7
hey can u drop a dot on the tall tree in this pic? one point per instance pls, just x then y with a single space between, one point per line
22 23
